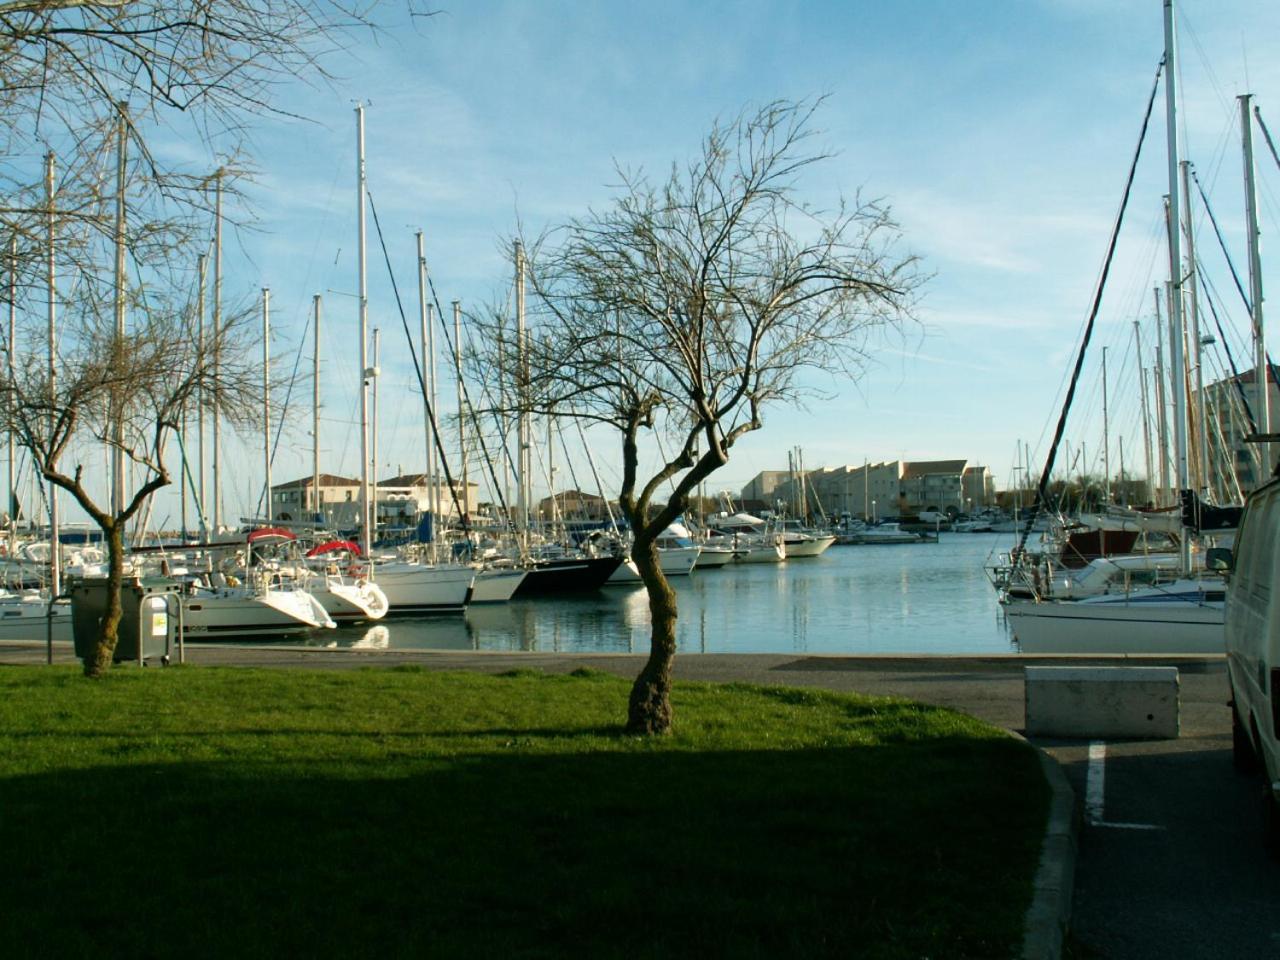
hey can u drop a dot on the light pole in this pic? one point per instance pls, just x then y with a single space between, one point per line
873 511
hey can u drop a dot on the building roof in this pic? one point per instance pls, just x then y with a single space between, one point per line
326 480
924 468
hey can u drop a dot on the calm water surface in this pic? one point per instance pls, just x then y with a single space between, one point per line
908 598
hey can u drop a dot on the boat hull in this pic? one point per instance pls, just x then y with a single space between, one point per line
569 575
1066 626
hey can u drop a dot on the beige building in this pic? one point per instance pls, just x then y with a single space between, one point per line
1241 462
573 505
399 500
874 491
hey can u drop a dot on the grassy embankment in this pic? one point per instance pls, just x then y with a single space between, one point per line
250 813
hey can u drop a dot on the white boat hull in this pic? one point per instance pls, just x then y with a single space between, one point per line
496 584
422 588
1066 626
236 615
26 618
812 546
712 557
352 602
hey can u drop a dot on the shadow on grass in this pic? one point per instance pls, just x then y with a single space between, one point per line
904 850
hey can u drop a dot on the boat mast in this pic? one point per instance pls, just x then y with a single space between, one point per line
10 507
217 354
117 428
1146 415
424 322
1162 420
317 513
55 551
1176 324
202 269
1106 439
462 416
373 434
266 394
523 456
1260 368
365 371
1200 417
436 499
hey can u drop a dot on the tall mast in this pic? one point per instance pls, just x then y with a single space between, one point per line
436 499
462 415
202 268
266 395
317 511
10 506
365 372
1176 325
1146 415
1200 418
117 428
1260 371
51 276
373 435
217 355
424 323
1162 421
1106 439
523 450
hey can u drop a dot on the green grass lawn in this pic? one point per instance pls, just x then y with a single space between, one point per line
202 812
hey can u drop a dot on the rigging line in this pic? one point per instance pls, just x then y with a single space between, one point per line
284 411
1230 265
503 434
1217 232
1231 360
417 369
1042 489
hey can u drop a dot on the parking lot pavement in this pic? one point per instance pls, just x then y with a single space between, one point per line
1170 862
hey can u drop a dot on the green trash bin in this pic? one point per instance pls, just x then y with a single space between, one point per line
150 610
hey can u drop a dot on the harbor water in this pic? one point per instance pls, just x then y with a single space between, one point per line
908 598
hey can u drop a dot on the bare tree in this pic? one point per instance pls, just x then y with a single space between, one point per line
95 81
128 393
688 307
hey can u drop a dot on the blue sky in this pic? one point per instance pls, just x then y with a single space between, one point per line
999 132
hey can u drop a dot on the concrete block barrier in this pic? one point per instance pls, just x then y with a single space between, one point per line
1102 702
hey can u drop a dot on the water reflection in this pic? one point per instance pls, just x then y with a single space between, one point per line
910 598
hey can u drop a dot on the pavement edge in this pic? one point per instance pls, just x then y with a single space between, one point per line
1046 921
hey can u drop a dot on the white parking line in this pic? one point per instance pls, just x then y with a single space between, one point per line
1095 790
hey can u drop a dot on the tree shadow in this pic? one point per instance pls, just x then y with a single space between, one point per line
902 850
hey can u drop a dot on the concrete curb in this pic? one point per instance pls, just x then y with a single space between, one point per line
1050 910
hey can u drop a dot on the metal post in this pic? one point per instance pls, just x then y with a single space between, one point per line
117 426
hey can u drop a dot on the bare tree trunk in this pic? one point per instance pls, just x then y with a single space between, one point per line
649 711
104 649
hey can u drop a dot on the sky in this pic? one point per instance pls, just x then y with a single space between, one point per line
999 133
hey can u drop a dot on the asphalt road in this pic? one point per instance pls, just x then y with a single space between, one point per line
1170 862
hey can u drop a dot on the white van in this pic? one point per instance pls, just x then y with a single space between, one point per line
1253 646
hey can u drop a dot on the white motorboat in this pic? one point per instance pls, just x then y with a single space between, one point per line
799 542
1185 616
888 531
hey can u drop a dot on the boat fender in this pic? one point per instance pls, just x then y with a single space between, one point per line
233 580
361 584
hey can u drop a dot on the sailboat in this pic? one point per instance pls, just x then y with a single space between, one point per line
1187 615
